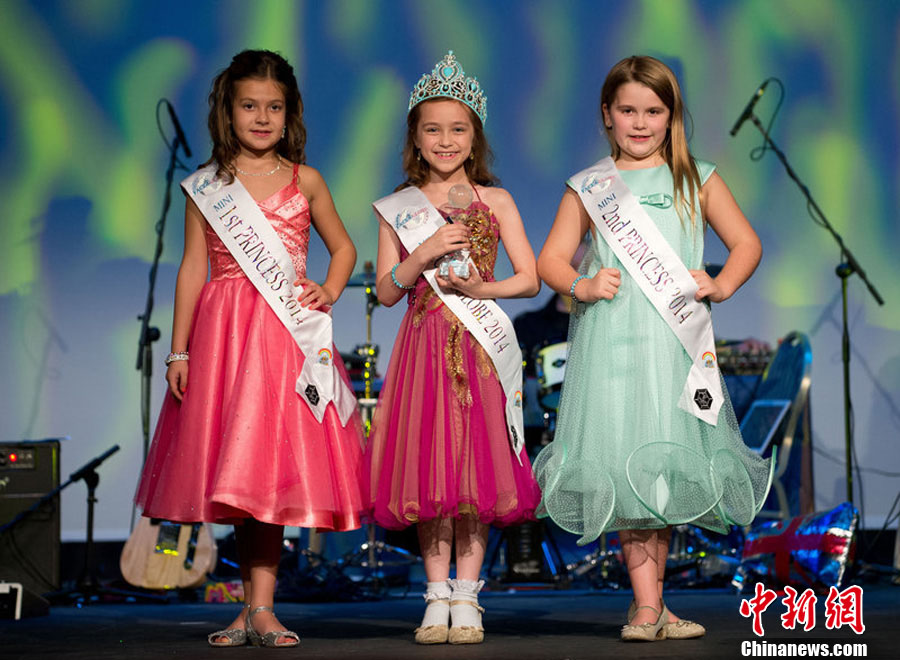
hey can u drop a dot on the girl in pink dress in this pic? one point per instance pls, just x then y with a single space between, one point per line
235 443
439 454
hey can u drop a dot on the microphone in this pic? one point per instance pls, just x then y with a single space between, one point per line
179 134
748 111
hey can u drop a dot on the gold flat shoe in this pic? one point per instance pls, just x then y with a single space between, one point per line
682 629
646 632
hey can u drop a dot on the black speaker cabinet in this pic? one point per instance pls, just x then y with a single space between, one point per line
29 549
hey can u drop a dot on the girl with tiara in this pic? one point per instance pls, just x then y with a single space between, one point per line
445 449
646 435
260 431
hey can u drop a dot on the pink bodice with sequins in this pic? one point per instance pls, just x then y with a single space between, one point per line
288 212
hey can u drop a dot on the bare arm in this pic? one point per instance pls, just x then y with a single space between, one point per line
555 261
388 255
744 248
524 283
337 241
191 278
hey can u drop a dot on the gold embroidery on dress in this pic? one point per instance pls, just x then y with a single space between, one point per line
453 353
483 251
485 366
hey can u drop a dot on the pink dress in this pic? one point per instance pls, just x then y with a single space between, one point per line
438 446
243 443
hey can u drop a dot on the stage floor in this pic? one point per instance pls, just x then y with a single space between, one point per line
520 626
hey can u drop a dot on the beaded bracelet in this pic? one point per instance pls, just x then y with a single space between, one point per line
572 288
176 357
396 281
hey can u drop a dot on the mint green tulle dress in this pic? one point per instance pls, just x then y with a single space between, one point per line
624 455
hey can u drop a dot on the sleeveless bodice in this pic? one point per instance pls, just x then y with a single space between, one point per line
287 210
653 188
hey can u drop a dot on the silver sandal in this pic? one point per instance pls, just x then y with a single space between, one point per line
270 639
234 636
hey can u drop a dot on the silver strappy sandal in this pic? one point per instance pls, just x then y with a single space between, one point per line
270 639
233 636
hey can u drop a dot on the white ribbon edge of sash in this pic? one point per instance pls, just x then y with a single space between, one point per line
418 219
310 329
612 207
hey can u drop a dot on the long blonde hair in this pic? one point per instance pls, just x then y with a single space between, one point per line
652 73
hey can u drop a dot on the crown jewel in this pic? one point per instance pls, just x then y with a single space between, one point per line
448 79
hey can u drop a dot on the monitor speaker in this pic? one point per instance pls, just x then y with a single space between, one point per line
30 546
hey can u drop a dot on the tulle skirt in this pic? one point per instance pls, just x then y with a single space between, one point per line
439 446
242 443
625 456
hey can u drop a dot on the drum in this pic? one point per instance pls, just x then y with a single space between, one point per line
550 366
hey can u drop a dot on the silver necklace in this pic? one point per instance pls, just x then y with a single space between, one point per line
269 173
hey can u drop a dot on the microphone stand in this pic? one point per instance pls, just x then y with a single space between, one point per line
149 334
844 270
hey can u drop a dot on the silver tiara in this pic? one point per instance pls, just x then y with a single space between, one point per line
449 80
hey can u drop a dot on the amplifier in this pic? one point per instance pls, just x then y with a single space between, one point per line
29 549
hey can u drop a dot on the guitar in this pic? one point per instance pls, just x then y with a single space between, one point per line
165 555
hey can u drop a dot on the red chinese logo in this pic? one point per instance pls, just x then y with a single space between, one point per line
757 605
842 608
845 608
801 608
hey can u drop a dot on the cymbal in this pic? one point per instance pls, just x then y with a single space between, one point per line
362 279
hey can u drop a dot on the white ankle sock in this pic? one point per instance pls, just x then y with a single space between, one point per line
437 612
464 609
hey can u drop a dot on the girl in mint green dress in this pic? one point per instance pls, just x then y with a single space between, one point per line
625 457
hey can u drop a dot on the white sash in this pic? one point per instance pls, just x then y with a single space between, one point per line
238 221
414 218
662 277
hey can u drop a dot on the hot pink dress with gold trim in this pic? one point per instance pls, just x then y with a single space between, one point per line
439 445
243 443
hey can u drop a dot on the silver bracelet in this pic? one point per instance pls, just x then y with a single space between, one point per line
176 357
572 288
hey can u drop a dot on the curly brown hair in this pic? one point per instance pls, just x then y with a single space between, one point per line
262 65
478 168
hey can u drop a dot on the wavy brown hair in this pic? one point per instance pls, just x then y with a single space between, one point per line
478 168
652 73
261 65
